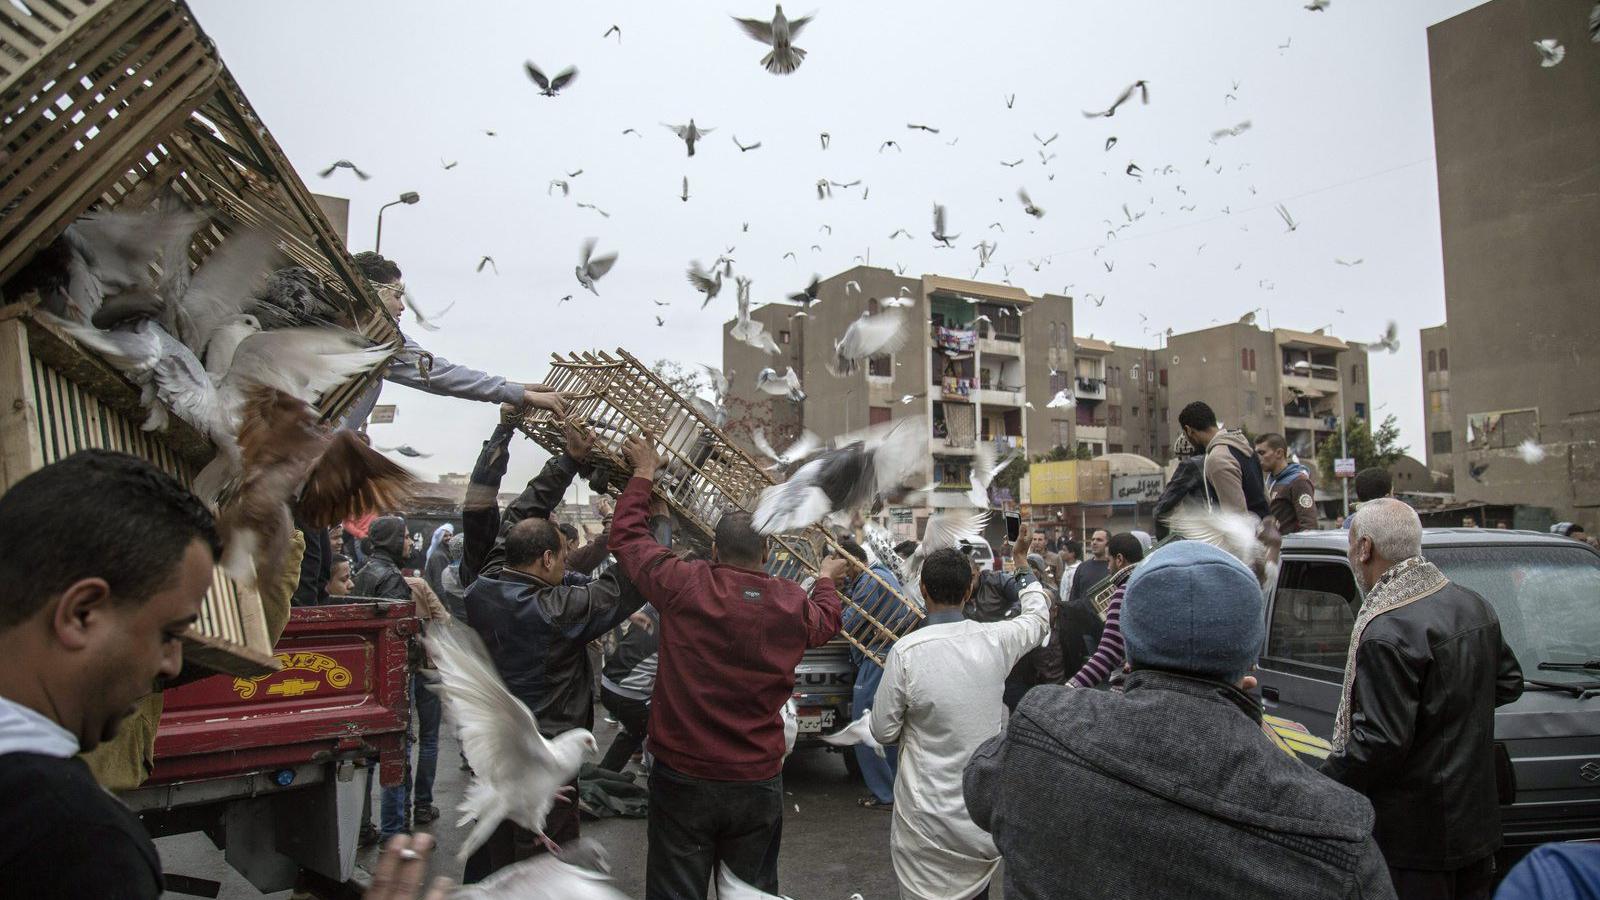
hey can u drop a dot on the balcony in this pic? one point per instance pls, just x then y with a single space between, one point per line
1000 396
1089 388
1090 433
1004 443
1000 345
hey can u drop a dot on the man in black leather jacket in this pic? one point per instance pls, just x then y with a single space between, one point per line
1415 730
537 631
381 577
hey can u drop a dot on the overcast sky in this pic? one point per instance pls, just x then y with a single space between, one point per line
1341 134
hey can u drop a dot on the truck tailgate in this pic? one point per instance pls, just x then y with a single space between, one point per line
342 689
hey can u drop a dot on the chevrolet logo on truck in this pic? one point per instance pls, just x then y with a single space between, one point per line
321 668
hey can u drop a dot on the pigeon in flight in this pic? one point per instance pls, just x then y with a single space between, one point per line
582 205
898 233
768 381
1045 142
745 148
549 87
1288 220
1530 452
825 138
448 165
1110 142
857 732
632 131
887 144
616 30
779 34
516 772
347 164
685 195
928 128
1318 5
805 445
877 462
1027 204
689 134
407 451
824 189
1127 93
866 337
1060 400
488 261
1349 262
591 268
1010 100
1013 164
1134 171
704 282
562 183
808 296
1551 53
939 232
1389 341
1235 131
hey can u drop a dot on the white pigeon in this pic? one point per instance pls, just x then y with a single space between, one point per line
579 873
591 268
945 529
984 470
1233 532
805 445
1551 53
857 732
790 715
166 371
111 252
731 887
516 772
690 134
769 382
779 34
1060 400
856 474
1531 452
865 337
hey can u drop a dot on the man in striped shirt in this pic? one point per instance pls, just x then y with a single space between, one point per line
1123 550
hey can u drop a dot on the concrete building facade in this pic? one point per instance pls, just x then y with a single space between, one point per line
976 357
1519 208
1440 447
1296 383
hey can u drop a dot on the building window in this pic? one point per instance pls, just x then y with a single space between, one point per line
1361 410
1441 441
1439 402
1444 359
877 415
1113 415
1163 377
1113 448
1063 431
881 366
1433 360
1249 403
1058 381
783 337
1355 374
1135 412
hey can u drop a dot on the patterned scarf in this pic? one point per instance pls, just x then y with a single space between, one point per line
1406 583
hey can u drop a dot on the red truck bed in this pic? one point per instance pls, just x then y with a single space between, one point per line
342 689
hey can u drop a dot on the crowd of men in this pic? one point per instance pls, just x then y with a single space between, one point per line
1114 755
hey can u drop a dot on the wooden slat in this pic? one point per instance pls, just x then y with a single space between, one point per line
20 451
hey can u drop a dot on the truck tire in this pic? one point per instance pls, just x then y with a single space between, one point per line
851 766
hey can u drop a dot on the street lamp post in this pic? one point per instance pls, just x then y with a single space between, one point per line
408 198
1344 448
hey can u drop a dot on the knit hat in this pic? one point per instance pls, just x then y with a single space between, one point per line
1193 608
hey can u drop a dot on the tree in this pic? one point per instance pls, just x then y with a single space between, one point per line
687 382
1369 450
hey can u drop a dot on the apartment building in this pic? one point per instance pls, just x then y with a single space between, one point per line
977 364
1435 344
1519 206
1121 400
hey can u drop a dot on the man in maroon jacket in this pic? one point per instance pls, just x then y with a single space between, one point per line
731 636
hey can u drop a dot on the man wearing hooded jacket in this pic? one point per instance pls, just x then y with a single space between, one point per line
1231 472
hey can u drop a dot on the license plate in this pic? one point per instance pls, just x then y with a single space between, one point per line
814 721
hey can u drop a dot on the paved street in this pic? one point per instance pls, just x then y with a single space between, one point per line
832 848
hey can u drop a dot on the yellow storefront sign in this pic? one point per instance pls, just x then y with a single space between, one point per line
1053 482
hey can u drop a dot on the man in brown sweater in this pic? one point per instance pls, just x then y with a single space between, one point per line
1232 474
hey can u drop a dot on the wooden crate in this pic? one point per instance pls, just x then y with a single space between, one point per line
704 473
119 104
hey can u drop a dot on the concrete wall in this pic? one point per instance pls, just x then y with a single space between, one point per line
749 408
1139 388
1041 355
1435 422
1519 208
839 405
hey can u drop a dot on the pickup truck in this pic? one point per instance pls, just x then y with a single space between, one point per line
1546 591
274 768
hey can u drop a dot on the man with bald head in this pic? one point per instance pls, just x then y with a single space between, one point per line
1415 727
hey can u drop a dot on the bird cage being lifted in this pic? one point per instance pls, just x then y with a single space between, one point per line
125 105
703 473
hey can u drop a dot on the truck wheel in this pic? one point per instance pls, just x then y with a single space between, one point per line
851 767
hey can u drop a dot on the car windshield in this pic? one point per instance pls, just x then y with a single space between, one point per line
1548 600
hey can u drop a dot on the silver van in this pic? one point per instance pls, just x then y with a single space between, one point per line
1546 591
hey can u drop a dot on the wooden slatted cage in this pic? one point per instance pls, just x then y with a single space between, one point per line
704 472
125 105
